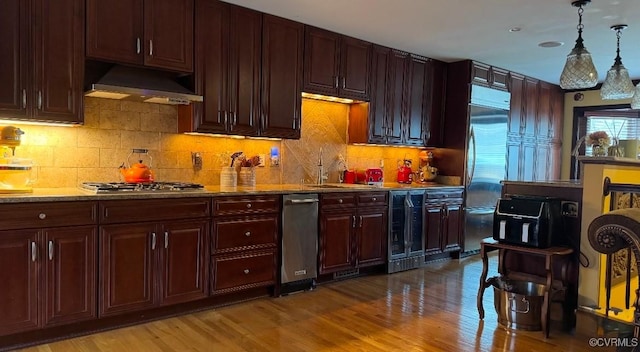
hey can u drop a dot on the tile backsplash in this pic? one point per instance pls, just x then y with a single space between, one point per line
67 156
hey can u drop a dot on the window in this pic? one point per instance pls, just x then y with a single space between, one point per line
619 129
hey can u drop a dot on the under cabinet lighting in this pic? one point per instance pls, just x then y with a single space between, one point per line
329 98
38 123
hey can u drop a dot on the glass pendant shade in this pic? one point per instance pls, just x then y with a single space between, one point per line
635 101
579 72
618 84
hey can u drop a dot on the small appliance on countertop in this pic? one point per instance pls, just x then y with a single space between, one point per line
15 173
138 172
370 176
405 173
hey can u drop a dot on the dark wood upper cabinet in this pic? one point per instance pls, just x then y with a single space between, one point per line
530 102
42 46
516 108
336 65
155 33
406 93
282 69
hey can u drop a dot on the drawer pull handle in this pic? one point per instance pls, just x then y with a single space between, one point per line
246 271
340 200
248 233
153 241
249 206
166 239
42 216
50 250
34 252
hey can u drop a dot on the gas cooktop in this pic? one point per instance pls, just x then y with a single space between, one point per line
113 187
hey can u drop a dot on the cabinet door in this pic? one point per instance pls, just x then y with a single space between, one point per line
282 63
397 91
541 170
480 74
543 115
212 45
433 228
530 102
245 38
183 261
127 262
516 109
59 60
321 61
451 236
513 160
168 34
379 113
336 240
555 161
371 237
14 45
527 161
499 79
69 257
19 254
418 104
114 30
355 65
557 115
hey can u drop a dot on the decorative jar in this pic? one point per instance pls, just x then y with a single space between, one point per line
247 177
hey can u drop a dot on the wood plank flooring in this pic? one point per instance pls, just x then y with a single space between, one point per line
429 309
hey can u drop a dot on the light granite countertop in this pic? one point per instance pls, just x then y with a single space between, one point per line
550 183
77 194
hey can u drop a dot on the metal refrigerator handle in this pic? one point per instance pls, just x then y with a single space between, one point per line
472 139
303 201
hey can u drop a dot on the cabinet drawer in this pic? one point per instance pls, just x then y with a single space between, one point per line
445 193
336 200
244 233
233 273
377 198
120 211
246 205
47 214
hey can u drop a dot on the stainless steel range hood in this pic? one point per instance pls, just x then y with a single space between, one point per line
129 83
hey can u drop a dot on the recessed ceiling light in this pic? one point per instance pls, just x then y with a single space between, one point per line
515 29
551 44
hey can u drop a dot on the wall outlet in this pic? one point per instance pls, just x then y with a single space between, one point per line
196 160
262 160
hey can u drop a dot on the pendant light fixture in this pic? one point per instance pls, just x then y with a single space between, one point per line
618 84
635 101
579 71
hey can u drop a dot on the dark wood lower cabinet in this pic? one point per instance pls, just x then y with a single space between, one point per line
48 277
443 223
353 231
149 264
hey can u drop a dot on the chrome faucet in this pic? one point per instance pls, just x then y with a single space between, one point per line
321 175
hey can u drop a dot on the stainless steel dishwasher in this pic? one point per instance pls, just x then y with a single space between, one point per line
299 242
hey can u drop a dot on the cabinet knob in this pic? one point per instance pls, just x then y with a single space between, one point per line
42 216
374 199
340 200
248 233
246 271
249 206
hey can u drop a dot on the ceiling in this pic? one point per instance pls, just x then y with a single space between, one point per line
452 30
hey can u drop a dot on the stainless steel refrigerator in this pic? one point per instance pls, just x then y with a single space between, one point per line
487 153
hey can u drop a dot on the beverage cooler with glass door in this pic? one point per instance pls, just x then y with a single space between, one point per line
406 234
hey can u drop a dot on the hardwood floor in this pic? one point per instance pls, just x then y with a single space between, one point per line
429 309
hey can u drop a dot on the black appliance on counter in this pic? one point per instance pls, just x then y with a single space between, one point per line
529 221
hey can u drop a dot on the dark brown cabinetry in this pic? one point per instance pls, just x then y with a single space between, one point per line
405 100
353 231
154 33
282 63
443 223
244 243
534 123
249 72
51 280
41 48
336 65
161 261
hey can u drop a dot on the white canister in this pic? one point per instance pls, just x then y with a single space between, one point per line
228 177
247 177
